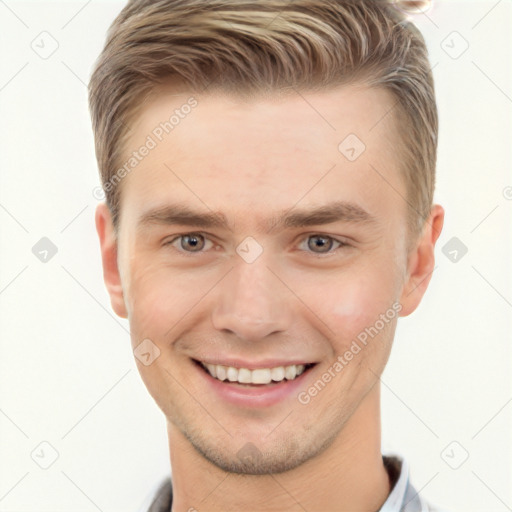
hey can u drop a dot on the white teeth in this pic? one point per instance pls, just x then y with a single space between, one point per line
232 374
244 375
290 372
211 369
277 373
221 372
257 376
261 376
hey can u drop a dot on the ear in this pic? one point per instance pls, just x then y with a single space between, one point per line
108 245
421 262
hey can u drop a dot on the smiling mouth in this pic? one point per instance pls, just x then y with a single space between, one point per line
256 377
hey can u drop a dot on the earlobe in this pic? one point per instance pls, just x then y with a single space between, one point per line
421 262
108 246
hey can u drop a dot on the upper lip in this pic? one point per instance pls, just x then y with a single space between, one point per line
254 365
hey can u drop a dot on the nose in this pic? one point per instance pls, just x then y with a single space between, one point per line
252 302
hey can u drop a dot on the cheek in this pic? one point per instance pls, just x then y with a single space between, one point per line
154 301
349 309
355 305
352 310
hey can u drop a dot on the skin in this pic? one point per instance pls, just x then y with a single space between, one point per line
252 160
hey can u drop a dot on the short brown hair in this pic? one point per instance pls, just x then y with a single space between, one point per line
265 46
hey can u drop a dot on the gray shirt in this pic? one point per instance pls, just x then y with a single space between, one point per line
402 498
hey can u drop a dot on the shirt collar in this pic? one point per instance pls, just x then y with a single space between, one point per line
395 500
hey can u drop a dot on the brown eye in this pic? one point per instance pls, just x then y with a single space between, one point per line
190 243
193 242
321 242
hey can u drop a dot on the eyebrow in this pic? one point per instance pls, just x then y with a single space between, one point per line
180 214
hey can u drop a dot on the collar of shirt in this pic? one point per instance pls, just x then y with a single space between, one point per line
396 497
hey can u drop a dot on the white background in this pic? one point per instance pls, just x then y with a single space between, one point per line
67 374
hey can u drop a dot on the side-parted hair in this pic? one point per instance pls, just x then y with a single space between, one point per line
251 47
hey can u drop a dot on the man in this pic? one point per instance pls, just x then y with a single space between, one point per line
293 146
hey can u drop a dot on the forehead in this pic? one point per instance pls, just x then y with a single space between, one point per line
264 153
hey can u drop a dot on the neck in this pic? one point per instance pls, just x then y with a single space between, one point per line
349 475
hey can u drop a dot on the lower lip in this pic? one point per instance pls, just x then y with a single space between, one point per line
262 395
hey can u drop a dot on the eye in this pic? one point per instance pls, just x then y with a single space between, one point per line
323 243
189 242
319 245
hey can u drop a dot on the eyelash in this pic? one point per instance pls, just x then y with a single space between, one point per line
318 255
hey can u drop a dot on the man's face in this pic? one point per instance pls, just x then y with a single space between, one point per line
260 292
